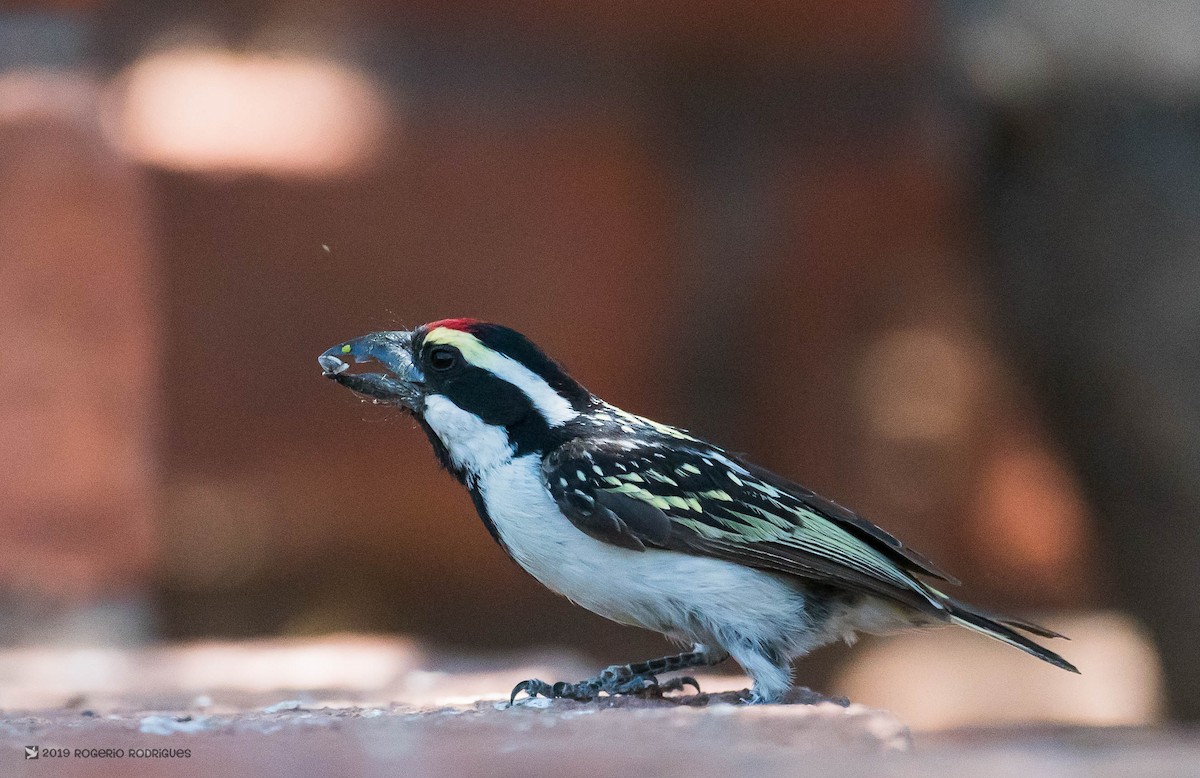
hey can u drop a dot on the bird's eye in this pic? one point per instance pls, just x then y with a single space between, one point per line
443 358
346 348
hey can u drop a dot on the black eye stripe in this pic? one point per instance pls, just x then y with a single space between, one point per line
443 357
517 347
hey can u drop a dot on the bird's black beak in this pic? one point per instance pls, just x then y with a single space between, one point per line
401 384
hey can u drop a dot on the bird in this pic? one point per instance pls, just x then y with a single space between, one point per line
648 525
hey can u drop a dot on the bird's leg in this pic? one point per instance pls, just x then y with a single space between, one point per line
633 678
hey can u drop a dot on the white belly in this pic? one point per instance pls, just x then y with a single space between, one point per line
689 597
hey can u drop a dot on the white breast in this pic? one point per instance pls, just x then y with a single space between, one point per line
687 596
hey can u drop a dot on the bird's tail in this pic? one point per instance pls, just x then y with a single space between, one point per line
1005 629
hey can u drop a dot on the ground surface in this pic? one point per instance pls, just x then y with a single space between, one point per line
373 708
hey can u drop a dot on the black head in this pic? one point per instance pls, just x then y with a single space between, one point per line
468 382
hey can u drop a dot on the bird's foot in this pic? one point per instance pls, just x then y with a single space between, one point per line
615 680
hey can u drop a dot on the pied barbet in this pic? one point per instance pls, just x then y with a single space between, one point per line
646 524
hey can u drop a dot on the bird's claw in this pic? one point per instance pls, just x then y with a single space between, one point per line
611 681
678 684
533 687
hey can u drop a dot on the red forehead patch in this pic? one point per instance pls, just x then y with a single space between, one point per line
465 325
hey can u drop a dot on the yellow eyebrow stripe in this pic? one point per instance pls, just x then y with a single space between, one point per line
553 406
471 347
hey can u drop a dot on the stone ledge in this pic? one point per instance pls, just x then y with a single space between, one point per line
378 707
368 706
539 737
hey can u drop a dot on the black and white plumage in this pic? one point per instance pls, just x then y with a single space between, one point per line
647 525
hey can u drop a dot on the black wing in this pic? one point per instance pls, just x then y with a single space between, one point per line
685 496
699 500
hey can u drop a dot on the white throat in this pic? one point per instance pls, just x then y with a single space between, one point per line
473 445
